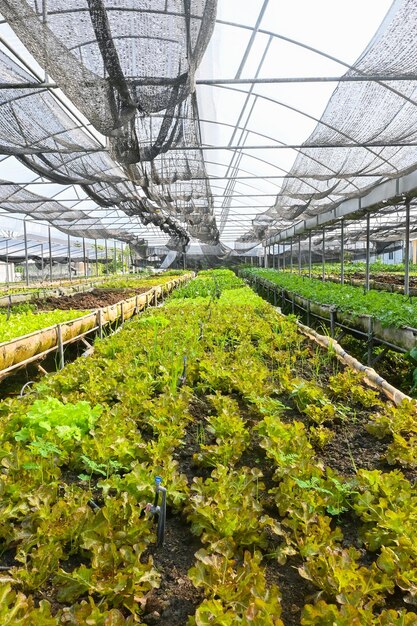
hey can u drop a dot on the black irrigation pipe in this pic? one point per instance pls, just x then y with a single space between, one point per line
159 510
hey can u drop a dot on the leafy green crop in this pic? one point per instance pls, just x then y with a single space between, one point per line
220 381
391 309
67 421
27 322
138 282
235 594
210 284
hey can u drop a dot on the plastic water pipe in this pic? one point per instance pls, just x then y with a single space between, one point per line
22 391
183 377
159 509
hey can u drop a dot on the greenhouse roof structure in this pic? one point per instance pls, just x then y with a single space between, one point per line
210 121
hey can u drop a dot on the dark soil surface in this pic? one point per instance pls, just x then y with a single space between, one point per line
295 590
176 598
199 408
89 300
7 560
385 282
389 279
352 447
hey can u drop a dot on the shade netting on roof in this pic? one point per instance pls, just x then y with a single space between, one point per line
129 68
367 133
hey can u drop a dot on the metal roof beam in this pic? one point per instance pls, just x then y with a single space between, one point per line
367 145
389 193
275 80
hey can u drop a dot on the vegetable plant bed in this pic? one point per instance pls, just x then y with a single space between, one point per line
379 282
92 300
19 290
120 283
376 269
290 484
23 349
392 318
387 279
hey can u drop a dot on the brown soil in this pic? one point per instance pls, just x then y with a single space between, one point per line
89 300
389 279
295 590
388 282
176 598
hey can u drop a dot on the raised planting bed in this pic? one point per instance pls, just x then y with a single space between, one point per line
56 286
72 327
93 299
134 283
380 282
346 306
357 268
31 294
290 484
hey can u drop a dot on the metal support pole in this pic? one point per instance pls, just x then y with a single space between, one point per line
95 245
69 258
42 262
100 322
323 256
407 249
7 262
115 256
309 254
133 267
26 252
265 257
342 252
291 261
61 360
85 260
299 255
123 257
278 258
368 242
107 257
283 256
50 254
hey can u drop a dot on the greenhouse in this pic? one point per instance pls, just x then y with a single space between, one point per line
208 314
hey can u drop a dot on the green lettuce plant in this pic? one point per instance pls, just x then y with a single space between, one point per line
235 594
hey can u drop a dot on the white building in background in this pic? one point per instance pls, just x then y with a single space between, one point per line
7 273
398 255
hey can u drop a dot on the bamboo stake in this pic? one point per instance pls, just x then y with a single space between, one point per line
372 378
